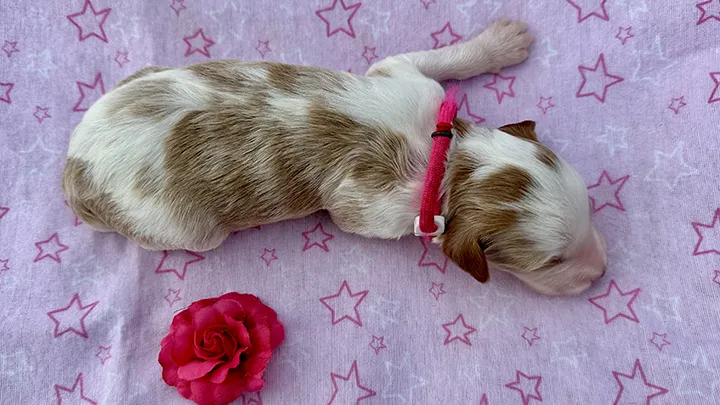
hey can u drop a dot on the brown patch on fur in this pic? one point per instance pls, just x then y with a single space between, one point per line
462 127
546 156
149 99
524 130
223 74
147 183
381 72
283 77
140 73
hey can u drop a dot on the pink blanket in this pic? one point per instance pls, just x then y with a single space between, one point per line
628 91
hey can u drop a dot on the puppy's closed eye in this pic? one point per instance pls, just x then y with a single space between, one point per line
555 260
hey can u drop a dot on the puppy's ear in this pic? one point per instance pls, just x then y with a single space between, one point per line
464 249
525 130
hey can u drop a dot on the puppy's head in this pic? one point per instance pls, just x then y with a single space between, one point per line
512 204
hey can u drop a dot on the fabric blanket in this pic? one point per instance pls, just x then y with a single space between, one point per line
628 91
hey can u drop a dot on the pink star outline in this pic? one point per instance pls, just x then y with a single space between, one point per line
3 211
4 265
369 54
180 274
714 96
716 278
55 256
81 88
659 340
427 3
77 221
377 344
624 34
7 88
308 235
697 225
637 368
353 371
437 290
614 287
530 335
464 102
348 28
263 48
75 301
41 114
545 104
10 47
268 256
605 181
121 58
78 381
178 6
606 83
191 48
345 287
104 13
173 296
704 15
483 399
440 42
104 354
427 261
676 104
508 91
581 18
526 397
451 336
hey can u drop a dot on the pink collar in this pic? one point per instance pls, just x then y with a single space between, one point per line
430 223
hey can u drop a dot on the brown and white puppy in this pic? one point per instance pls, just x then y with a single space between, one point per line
180 158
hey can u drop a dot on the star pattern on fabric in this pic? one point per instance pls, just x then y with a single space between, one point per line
198 43
659 340
89 22
590 8
709 10
549 52
104 354
344 305
5 89
172 296
427 3
348 387
458 330
634 7
268 256
676 103
665 308
464 105
446 36
338 18
121 58
369 54
401 383
698 377
651 63
530 335
89 93
41 114
50 248
614 138
10 47
616 304
545 104
178 6
708 236
596 80
41 63
263 48
671 168
635 387
317 237
377 344
528 386
502 86
3 211
4 265
378 21
71 318
74 395
606 192
716 277
568 351
432 256
623 34
484 400
714 95
177 262
437 290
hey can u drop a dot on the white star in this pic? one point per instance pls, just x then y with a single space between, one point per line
665 308
228 15
401 383
17 366
568 351
558 145
670 168
494 307
386 310
356 259
376 19
634 7
615 138
651 63
698 378
547 52
40 63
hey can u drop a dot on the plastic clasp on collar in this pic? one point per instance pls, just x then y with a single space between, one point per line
439 223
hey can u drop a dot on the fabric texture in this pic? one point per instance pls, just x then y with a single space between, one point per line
628 91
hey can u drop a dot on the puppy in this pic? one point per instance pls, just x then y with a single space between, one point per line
180 158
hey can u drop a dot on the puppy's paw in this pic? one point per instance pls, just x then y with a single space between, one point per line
504 43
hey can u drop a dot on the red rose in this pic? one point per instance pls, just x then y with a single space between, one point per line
219 347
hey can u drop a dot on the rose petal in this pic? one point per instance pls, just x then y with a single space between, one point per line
219 375
231 308
196 369
252 304
198 305
205 392
206 317
256 363
169 369
184 389
240 331
181 345
277 334
260 337
254 384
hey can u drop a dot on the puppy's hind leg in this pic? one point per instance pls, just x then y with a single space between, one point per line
504 43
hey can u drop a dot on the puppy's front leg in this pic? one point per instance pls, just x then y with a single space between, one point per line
504 43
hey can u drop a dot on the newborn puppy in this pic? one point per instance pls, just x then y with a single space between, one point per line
180 158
